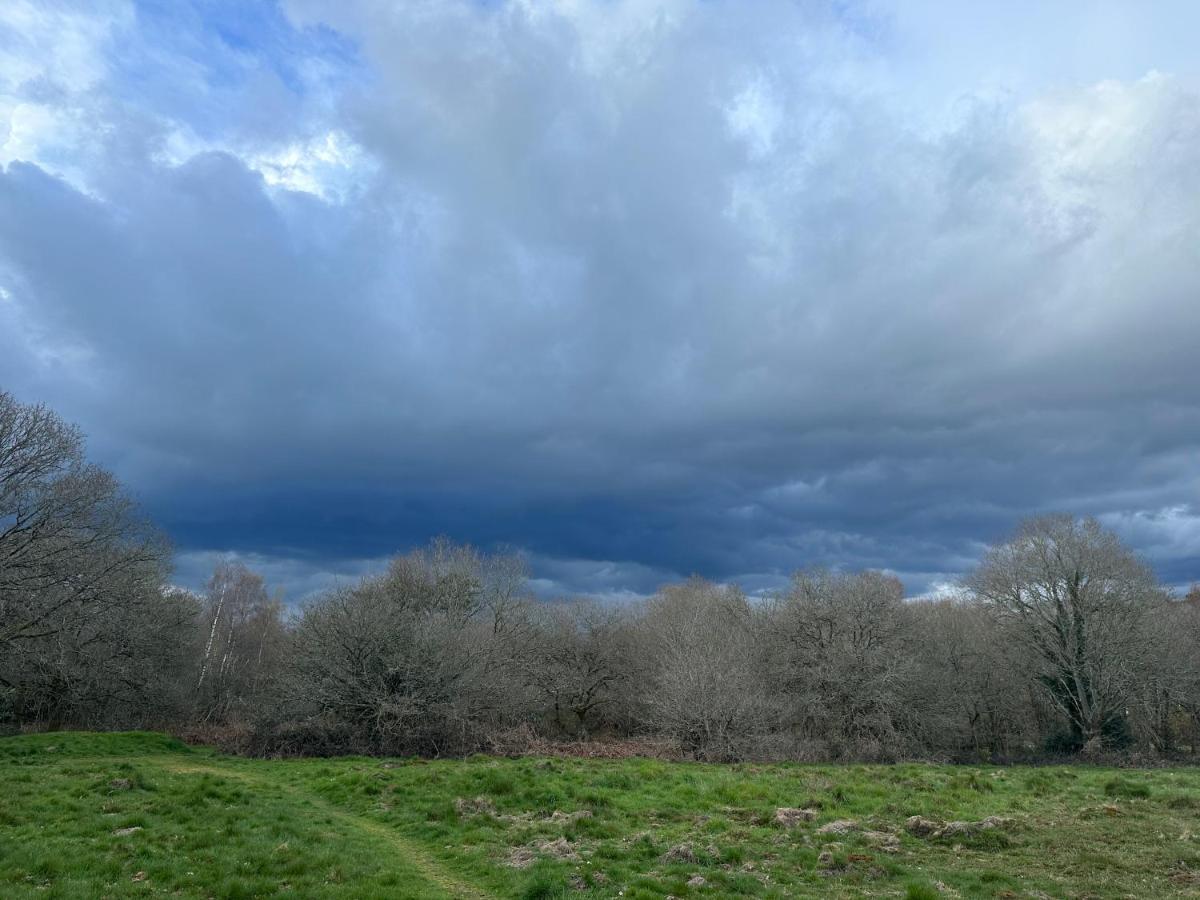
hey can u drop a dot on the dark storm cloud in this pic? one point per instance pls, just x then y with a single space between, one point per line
643 289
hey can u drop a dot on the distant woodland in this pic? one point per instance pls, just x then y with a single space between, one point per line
1061 643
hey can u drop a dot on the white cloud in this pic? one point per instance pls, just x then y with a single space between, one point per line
329 165
53 58
755 117
58 43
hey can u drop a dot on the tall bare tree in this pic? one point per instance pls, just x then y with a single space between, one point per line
704 684
843 659
1081 601
243 632
82 606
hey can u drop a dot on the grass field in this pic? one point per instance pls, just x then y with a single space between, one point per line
116 815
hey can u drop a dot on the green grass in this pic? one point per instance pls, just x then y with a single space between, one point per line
214 826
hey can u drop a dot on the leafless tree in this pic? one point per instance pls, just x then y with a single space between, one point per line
69 538
411 660
844 660
1081 600
1164 702
243 631
704 684
83 611
971 694
577 663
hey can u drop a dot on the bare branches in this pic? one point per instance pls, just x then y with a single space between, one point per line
78 568
245 635
1082 602
414 659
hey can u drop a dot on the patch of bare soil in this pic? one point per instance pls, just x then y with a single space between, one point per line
559 848
478 806
791 816
919 826
841 826
680 853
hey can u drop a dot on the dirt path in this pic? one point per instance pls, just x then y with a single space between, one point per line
416 855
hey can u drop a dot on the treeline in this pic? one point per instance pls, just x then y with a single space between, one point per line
1061 642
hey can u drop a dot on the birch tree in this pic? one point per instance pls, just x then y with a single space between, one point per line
243 631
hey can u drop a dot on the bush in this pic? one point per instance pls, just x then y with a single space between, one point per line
1062 743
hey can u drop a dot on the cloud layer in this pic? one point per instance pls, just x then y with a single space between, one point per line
641 288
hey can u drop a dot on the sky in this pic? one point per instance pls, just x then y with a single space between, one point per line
638 288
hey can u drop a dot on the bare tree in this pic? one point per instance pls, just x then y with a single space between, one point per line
1078 598
1164 703
577 662
243 632
410 660
82 605
704 686
68 535
971 694
843 660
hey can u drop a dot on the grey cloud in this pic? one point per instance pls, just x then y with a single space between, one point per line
297 579
645 289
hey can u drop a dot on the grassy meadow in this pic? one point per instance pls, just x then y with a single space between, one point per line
130 815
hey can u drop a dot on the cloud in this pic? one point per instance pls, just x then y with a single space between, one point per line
1168 537
297 579
644 288
51 57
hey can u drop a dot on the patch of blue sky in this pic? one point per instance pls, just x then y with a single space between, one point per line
195 62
